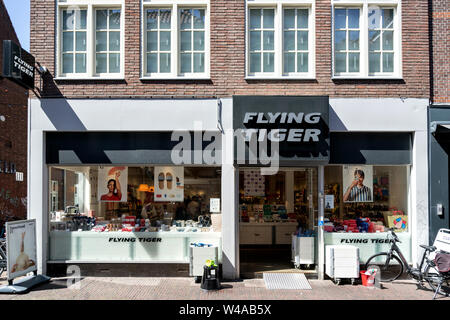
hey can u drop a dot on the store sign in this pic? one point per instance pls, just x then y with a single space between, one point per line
21 248
298 125
18 64
127 240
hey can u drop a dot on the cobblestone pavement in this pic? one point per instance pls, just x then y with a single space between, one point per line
108 288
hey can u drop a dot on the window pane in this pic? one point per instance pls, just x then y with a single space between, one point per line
80 63
289 62
114 41
340 40
186 62
81 41
68 41
388 18
152 41
302 40
101 19
289 40
302 18
68 17
152 19
339 18
302 62
199 19
255 40
289 18
255 62
81 19
388 40
164 19
268 18
68 63
199 40
374 62
101 41
353 43
255 18
340 62
185 19
152 63
353 18
268 40
374 18
164 62
199 62
388 62
186 40
100 63
114 19
353 62
374 40
269 64
114 62
164 41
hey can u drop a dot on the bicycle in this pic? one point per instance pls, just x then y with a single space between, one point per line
3 264
393 263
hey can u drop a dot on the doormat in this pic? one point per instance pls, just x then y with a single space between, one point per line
293 281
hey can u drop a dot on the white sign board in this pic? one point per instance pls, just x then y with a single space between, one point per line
169 184
214 205
21 247
329 201
112 184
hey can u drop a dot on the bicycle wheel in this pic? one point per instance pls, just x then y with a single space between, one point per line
390 268
433 278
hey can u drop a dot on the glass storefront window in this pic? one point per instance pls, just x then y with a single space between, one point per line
366 199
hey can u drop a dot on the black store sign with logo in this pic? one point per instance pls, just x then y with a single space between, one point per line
299 123
18 64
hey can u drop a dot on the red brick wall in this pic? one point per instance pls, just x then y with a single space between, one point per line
227 59
13 132
440 19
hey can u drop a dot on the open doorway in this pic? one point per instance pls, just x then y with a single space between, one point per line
273 211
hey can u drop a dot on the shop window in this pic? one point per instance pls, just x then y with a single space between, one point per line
90 39
280 41
176 40
366 41
366 199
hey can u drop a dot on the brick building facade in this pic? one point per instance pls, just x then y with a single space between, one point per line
353 77
13 134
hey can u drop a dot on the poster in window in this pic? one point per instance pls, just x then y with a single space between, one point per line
169 184
358 183
254 184
21 251
112 184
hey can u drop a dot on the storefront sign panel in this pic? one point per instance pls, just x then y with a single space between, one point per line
21 248
18 64
298 123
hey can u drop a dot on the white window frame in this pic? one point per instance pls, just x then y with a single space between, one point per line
90 6
175 58
279 7
364 5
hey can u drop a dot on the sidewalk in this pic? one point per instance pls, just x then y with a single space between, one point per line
109 288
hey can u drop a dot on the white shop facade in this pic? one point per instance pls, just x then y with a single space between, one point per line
77 146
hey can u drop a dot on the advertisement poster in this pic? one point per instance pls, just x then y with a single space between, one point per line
358 183
214 205
169 184
21 247
329 201
112 184
254 184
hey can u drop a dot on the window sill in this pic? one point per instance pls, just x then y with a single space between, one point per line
366 78
89 78
280 78
175 78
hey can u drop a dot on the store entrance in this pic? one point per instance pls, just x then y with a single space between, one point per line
278 220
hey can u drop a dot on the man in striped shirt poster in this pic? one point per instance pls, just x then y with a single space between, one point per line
357 191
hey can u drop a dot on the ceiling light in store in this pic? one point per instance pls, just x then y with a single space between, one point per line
144 188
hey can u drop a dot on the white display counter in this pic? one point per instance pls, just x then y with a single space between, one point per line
126 247
369 243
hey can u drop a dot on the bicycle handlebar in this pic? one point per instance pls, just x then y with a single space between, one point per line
394 236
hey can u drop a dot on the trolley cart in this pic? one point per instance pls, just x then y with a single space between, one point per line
342 262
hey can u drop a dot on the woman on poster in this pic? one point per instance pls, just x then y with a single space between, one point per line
114 189
357 191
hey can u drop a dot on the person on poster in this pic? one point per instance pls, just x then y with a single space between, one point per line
114 189
357 191
23 262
